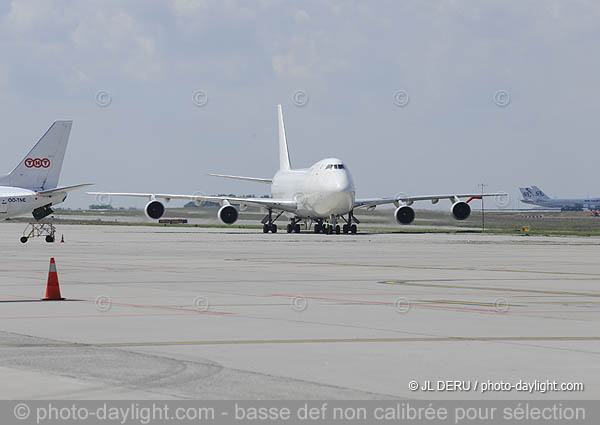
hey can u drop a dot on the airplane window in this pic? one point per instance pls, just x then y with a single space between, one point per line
328 166
341 166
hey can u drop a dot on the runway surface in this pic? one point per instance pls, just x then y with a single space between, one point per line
236 314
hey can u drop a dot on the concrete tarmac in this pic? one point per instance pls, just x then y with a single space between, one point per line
155 313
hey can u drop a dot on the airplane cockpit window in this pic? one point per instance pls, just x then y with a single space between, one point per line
335 166
328 166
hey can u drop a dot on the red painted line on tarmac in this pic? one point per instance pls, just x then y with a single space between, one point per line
164 307
559 311
426 305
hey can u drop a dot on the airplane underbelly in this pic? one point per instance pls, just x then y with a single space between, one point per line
15 206
324 204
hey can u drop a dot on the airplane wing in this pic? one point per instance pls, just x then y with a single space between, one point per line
408 200
270 203
63 189
249 179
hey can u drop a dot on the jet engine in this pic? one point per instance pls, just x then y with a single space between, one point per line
404 214
461 210
154 210
228 214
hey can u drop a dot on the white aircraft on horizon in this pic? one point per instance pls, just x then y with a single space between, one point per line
321 194
32 187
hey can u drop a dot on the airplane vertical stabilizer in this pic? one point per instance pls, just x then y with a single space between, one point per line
40 169
538 193
284 156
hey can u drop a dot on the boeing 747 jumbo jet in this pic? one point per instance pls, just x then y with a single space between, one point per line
535 196
32 187
321 194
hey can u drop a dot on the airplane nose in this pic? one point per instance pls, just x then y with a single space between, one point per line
342 183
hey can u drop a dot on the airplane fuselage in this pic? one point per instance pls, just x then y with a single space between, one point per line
566 204
323 190
16 201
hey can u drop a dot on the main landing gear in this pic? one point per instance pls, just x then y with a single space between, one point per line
350 227
293 226
330 227
319 226
269 222
34 230
269 228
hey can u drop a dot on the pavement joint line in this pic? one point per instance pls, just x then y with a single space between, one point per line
330 263
415 303
484 288
306 341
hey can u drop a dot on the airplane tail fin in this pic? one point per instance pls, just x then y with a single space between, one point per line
284 156
40 169
538 193
526 192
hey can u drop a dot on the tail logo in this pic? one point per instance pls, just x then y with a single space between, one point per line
37 162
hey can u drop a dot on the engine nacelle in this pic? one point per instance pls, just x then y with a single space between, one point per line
154 210
404 214
228 214
461 210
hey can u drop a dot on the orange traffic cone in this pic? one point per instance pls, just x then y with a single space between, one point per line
62 238
52 288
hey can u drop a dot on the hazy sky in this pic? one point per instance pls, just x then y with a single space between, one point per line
459 62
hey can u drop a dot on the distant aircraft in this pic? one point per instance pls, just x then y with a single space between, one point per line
535 196
321 194
32 187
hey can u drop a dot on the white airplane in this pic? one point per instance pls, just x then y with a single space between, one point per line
32 187
321 194
535 196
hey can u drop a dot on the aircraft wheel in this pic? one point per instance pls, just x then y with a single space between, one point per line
273 228
49 239
337 229
289 228
353 229
24 239
345 228
297 228
265 228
